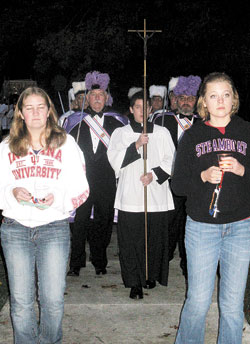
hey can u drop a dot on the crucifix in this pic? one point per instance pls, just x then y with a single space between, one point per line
145 38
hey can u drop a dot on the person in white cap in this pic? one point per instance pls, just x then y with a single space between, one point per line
76 98
133 90
80 90
158 97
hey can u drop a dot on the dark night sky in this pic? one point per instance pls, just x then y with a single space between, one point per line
42 40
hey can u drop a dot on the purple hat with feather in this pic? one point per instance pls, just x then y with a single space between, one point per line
188 86
96 80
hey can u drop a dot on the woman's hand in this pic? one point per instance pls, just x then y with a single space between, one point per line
212 175
142 140
48 201
21 194
232 165
147 179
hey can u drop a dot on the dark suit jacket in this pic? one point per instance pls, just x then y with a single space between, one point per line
100 175
171 124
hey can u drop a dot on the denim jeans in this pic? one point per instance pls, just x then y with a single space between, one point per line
206 245
43 250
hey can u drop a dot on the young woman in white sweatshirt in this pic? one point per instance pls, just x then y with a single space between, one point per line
42 180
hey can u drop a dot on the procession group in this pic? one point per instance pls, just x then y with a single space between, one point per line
180 178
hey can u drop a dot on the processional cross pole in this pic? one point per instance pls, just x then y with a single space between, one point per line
145 38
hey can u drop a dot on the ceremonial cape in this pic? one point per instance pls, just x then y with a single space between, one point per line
74 119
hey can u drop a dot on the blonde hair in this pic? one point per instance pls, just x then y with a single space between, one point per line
212 77
19 139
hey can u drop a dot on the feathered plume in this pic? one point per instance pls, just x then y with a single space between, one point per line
187 85
97 78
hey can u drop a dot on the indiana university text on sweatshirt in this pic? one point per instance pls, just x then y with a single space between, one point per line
58 171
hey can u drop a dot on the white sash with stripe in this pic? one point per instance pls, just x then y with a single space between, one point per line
97 129
183 124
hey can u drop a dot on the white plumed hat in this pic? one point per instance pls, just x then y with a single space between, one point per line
78 86
159 91
71 95
133 90
172 83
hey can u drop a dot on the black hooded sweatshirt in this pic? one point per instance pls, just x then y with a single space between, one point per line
197 151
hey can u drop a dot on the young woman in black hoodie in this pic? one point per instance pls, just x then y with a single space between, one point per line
212 169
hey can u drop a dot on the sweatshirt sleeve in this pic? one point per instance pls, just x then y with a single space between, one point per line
185 179
75 190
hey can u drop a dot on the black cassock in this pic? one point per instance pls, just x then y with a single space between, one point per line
131 240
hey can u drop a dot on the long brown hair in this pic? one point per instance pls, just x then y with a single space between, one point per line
20 139
212 77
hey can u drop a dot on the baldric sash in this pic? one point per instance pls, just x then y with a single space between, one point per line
184 123
97 129
73 120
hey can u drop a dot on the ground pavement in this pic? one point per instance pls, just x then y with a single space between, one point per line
98 309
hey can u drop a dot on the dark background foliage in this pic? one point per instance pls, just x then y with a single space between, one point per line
57 42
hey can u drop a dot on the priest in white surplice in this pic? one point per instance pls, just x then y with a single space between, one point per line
125 154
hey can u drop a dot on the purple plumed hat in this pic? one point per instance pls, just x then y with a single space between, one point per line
95 79
188 86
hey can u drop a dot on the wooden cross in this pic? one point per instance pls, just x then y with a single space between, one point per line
145 38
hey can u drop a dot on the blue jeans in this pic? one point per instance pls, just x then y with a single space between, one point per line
206 245
45 250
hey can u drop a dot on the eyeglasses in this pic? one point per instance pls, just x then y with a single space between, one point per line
185 98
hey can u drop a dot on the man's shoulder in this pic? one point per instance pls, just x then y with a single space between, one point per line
116 117
72 120
168 116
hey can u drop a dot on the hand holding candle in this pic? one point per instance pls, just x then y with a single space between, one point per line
227 163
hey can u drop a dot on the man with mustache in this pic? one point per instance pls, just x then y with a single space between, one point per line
177 121
76 97
92 130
